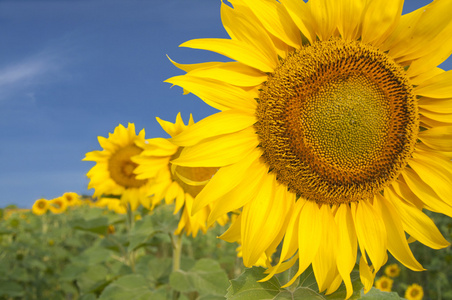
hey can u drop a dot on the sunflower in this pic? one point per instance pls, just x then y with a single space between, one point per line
113 172
334 131
40 207
392 270
71 198
112 204
58 205
173 182
384 284
414 292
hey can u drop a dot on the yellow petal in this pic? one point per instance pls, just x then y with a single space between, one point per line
227 178
435 172
242 26
424 76
218 95
180 200
276 20
439 138
404 192
367 274
219 151
236 50
217 124
436 87
309 236
437 48
445 118
260 214
172 128
426 193
234 73
416 223
286 205
172 192
347 245
436 105
281 267
301 16
190 67
247 189
290 244
334 285
397 243
324 263
379 20
350 20
422 32
431 122
232 235
371 232
325 17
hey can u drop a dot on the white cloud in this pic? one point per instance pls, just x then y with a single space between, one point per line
22 77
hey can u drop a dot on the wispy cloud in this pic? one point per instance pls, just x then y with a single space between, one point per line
22 77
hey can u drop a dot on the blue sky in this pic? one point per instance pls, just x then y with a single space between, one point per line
73 70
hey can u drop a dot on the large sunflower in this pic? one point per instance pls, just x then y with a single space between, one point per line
113 172
335 131
172 182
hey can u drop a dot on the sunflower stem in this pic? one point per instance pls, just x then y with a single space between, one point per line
177 250
129 226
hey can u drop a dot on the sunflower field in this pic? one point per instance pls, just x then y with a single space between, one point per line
326 172
92 252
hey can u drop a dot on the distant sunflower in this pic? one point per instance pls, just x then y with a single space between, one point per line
384 284
335 131
113 172
112 204
58 205
392 270
40 207
71 198
414 292
174 182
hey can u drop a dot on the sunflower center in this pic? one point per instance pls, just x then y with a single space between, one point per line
337 121
190 178
121 167
57 203
41 204
414 293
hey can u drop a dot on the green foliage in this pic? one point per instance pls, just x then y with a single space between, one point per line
90 253
206 278
248 287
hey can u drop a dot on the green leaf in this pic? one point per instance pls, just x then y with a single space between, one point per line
93 256
96 225
72 272
376 294
142 230
89 296
206 277
11 289
94 279
131 287
154 268
247 287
